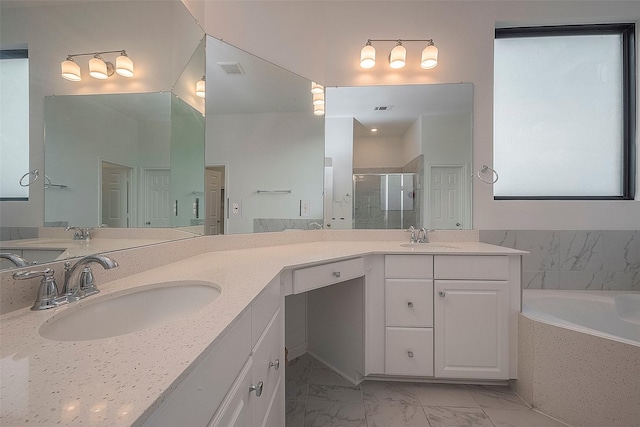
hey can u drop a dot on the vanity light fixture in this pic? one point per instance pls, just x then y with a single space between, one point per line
317 91
398 55
98 67
201 88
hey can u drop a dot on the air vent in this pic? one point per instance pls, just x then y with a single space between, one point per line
383 108
232 68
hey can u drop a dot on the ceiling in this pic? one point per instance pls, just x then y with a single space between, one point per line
393 109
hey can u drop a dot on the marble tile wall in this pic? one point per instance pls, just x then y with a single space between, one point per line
263 225
574 259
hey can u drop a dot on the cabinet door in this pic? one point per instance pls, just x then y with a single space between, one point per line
234 411
268 368
471 329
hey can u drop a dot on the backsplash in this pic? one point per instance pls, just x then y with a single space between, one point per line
566 259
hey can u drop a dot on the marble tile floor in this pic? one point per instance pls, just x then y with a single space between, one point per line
316 396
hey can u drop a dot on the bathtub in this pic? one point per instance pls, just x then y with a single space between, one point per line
613 315
579 356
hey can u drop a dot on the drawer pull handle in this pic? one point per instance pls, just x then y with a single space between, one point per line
410 353
336 274
257 388
441 293
410 304
275 364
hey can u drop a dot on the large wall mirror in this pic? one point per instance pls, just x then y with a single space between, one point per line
265 147
119 152
399 156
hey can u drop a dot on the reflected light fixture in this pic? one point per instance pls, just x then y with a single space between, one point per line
201 88
98 67
317 95
398 55
316 88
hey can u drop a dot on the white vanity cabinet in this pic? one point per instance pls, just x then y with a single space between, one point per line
471 309
450 316
409 315
240 381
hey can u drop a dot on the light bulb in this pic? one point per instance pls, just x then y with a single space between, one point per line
70 70
124 65
429 57
368 56
398 56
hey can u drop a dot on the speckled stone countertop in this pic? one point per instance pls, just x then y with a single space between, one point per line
121 380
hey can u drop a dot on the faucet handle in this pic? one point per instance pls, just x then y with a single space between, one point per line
47 292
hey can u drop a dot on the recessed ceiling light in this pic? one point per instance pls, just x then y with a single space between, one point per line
374 130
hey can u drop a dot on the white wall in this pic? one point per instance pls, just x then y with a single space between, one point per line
321 40
270 151
378 152
159 41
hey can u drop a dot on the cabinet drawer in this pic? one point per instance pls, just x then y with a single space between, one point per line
408 266
409 302
196 399
306 279
263 308
489 267
409 351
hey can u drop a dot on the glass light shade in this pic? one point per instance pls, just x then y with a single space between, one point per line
368 56
318 110
429 57
201 88
70 70
124 66
318 99
98 68
398 57
316 88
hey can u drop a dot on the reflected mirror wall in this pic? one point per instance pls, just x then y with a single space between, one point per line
377 135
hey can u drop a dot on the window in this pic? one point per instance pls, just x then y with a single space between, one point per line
564 112
14 123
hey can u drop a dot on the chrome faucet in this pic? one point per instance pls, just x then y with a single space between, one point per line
412 238
17 260
48 296
80 284
423 235
82 233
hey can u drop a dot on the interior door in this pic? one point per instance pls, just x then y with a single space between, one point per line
446 196
213 198
157 197
115 195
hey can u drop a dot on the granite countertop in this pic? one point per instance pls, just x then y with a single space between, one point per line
122 380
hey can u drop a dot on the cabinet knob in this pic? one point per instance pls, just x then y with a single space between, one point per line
410 304
336 274
257 388
275 364
441 293
410 353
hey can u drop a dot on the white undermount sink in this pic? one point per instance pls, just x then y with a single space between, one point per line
428 246
129 311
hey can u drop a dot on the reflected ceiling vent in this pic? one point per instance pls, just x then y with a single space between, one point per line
383 108
232 68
